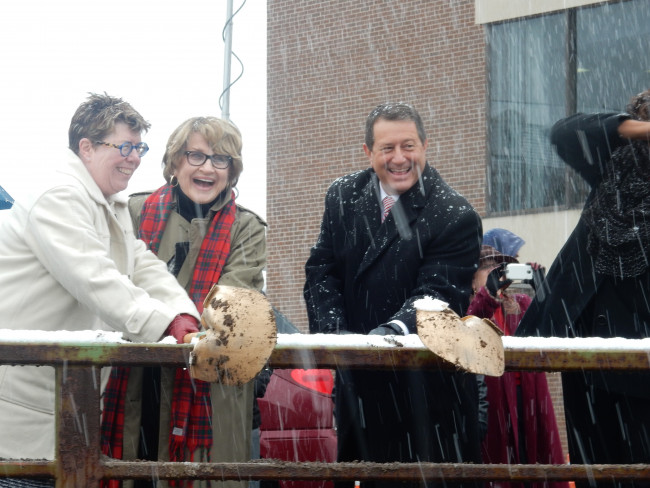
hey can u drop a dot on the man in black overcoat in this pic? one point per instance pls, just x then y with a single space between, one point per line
362 277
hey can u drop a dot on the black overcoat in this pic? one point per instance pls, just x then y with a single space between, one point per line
606 412
575 300
362 273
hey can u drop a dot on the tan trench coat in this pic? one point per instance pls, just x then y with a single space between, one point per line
232 406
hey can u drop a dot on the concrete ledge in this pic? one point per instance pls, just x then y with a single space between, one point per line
488 11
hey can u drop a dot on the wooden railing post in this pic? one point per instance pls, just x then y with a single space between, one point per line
77 426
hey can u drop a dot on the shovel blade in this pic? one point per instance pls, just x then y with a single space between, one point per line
240 336
471 344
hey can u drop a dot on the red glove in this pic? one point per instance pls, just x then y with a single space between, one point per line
182 325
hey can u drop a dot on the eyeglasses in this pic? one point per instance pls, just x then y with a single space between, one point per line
219 161
125 148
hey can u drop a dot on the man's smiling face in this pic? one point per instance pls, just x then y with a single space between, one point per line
397 156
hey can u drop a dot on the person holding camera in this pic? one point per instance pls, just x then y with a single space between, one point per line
521 426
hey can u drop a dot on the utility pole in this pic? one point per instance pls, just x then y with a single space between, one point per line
227 37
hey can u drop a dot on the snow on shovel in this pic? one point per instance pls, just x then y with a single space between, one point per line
239 339
471 344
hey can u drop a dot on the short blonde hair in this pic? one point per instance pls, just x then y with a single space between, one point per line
222 136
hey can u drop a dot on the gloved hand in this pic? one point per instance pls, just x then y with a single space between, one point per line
496 280
539 274
182 325
386 329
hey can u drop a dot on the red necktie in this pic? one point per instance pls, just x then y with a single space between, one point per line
388 203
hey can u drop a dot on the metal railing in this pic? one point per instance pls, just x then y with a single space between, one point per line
79 463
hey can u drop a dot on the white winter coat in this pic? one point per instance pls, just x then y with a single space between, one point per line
69 261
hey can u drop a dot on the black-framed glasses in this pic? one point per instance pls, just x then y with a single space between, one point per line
219 161
125 148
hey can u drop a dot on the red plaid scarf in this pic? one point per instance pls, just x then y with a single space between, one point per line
113 414
214 249
191 405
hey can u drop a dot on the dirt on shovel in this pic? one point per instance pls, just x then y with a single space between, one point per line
469 343
240 336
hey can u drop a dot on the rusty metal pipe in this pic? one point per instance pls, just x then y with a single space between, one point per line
278 470
451 472
314 356
27 469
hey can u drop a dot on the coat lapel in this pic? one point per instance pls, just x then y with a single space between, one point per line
398 223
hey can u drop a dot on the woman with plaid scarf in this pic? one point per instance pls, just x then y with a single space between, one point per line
193 224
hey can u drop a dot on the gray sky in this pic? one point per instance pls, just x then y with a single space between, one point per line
165 57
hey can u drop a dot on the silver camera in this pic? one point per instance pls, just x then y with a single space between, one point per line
516 271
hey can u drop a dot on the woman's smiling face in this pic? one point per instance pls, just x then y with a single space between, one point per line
202 184
110 170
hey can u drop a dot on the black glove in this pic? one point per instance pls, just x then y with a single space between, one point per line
494 282
386 329
539 274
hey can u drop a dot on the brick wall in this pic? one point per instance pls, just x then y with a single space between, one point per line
329 64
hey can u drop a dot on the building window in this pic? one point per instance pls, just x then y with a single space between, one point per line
543 68
613 55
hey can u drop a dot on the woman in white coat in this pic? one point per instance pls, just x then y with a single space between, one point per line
69 261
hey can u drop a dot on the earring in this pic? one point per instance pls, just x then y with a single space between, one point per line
173 181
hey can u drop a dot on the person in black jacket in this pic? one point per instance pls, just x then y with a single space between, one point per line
362 277
599 284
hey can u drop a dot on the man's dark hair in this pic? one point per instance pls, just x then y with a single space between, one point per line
393 111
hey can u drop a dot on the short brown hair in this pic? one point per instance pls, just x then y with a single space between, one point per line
96 118
639 106
222 136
